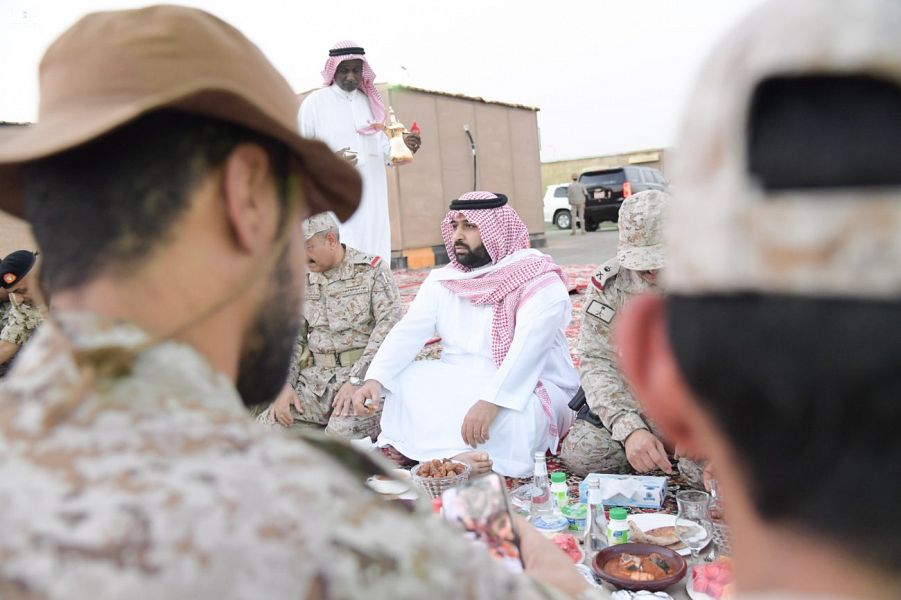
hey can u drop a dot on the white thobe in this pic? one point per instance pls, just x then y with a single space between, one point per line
426 401
335 117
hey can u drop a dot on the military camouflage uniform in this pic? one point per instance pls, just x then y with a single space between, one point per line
348 311
590 449
17 323
158 485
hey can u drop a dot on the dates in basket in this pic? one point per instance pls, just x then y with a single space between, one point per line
442 467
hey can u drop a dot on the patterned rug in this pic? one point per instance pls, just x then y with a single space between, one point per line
578 277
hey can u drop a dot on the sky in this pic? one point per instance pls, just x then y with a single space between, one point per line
609 76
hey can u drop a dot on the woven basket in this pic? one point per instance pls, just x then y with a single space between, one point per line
435 485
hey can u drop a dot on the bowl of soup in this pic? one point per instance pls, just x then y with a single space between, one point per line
639 567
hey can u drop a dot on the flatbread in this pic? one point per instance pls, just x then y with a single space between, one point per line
659 536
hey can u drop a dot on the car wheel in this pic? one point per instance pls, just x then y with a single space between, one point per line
563 219
592 225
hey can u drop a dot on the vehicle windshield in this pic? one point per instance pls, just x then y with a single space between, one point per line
603 178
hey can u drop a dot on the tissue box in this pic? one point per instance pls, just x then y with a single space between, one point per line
651 496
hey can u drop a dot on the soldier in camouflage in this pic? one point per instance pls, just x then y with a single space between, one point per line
19 316
627 440
167 201
352 302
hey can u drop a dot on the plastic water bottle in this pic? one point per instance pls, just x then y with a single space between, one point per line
542 504
595 537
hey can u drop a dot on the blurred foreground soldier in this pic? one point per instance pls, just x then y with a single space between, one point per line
351 304
623 438
778 344
343 114
577 194
165 183
505 374
19 314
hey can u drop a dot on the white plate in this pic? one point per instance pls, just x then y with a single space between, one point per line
646 521
689 589
391 487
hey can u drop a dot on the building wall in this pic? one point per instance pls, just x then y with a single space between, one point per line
561 171
507 146
15 234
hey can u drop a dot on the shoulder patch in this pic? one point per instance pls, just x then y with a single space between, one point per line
375 262
606 272
601 311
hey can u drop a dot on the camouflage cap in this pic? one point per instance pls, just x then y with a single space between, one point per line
319 223
641 230
724 232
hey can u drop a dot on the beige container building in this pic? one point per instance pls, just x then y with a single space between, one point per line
506 160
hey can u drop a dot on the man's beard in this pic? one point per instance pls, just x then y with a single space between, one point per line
263 369
475 258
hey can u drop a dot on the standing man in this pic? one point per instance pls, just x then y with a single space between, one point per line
505 376
19 315
352 302
345 114
577 194
165 183
624 439
777 347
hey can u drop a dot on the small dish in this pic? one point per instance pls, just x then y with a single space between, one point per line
676 564
395 485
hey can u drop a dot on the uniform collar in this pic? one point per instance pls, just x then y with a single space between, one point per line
343 270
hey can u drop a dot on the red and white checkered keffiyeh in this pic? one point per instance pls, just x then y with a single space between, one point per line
507 288
376 104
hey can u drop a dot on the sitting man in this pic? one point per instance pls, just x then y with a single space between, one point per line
776 348
620 436
505 374
19 316
352 302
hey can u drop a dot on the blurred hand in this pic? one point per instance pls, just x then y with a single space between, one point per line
413 141
646 453
281 408
343 402
347 154
367 398
477 422
547 563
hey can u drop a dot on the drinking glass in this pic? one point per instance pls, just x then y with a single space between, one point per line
693 525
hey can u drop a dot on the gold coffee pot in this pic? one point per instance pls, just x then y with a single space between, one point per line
399 153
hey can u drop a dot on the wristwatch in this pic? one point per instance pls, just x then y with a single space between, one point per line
356 381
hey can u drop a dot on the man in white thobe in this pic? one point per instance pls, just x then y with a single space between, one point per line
499 393
346 114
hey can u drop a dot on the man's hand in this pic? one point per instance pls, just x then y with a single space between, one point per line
343 402
413 141
370 392
281 408
477 423
546 562
646 453
347 154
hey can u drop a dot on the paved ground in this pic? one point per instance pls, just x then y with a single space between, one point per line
593 247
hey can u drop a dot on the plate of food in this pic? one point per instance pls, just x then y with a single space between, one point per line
397 484
658 529
711 581
568 543
639 567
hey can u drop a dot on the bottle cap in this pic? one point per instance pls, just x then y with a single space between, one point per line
436 505
618 514
558 477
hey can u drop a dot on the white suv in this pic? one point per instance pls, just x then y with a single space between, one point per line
556 206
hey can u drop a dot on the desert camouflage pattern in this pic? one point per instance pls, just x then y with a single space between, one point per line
725 233
319 223
157 484
641 230
18 322
352 306
590 449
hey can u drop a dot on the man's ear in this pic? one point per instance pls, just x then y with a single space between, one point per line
648 363
250 207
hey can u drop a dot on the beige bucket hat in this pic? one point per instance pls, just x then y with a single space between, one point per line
641 230
112 67
728 234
